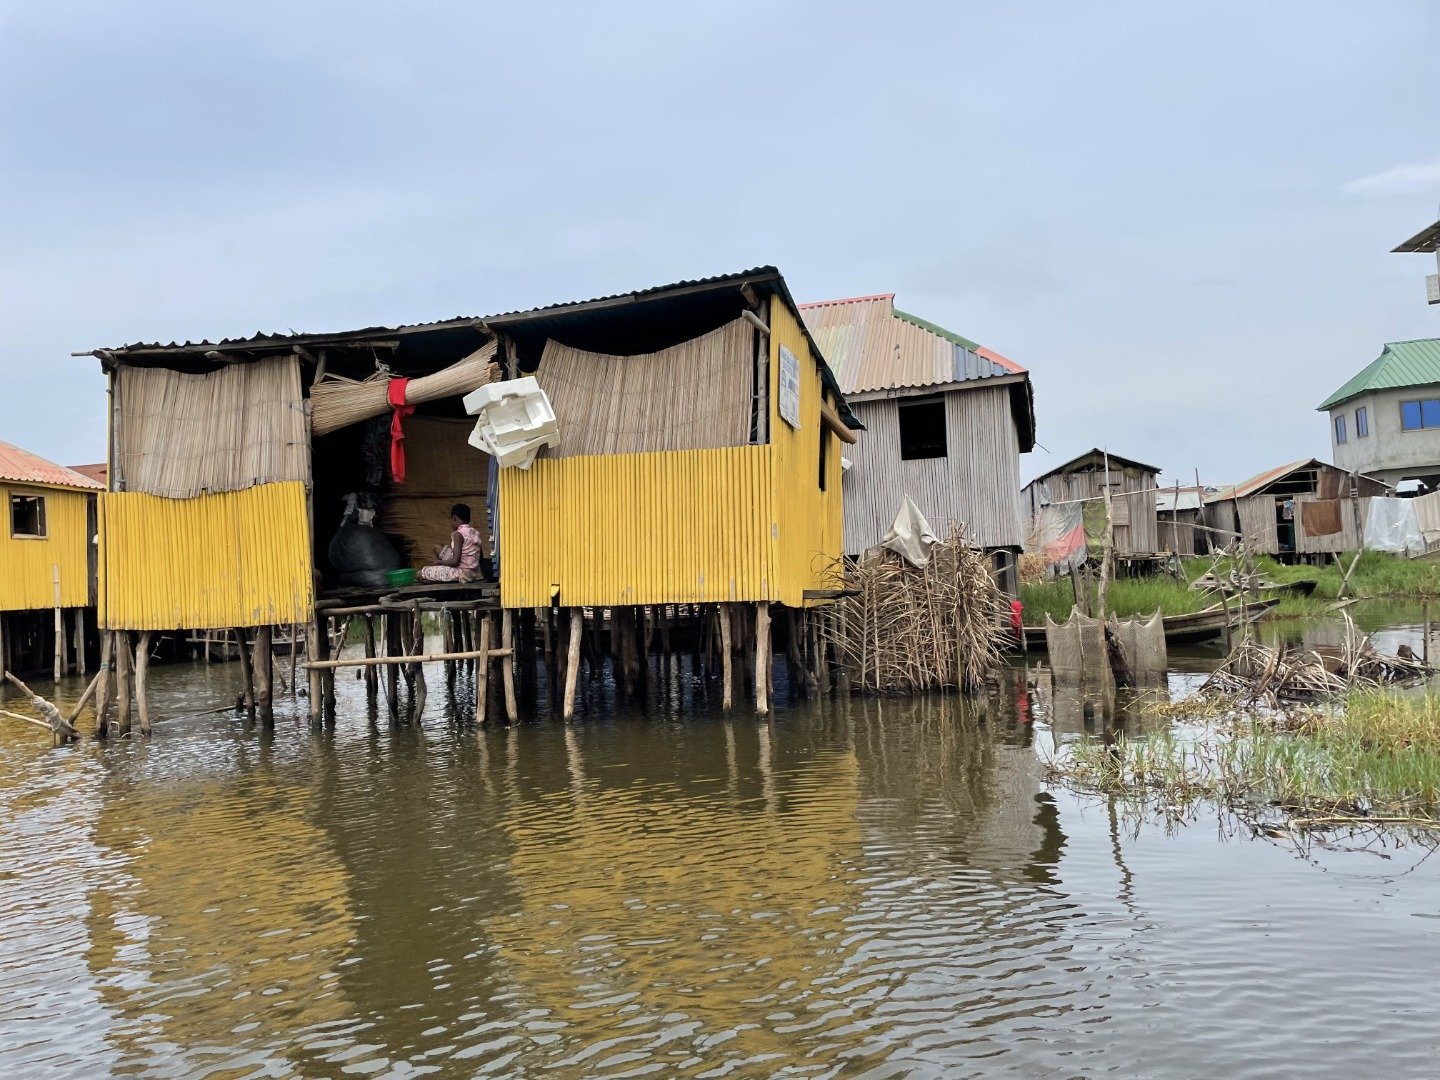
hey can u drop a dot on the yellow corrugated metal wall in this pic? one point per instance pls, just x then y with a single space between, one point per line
808 521
674 527
27 566
237 559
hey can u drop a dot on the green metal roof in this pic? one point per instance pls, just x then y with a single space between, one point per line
938 331
1401 363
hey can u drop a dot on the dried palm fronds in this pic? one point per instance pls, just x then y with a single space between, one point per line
909 629
337 403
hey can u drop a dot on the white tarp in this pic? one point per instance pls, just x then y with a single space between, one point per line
911 536
1392 525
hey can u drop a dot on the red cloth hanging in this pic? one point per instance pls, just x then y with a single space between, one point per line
396 393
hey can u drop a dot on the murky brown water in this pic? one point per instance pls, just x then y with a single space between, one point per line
855 889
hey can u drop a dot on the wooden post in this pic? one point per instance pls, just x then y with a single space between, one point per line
4 649
572 660
106 688
727 659
392 673
142 673
482 668
265 674
327 678
78 639
762 659
507 663
372 677
59 627
294 645
247 672
125 659
317 686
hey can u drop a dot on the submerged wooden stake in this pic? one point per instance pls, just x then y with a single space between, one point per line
762 658
572 660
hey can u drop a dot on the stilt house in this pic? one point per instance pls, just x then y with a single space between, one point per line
698 462
946 420
1303 509
47 563
1179 512
1132 485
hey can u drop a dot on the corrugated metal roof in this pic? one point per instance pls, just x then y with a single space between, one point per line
1099 456
1260 480
24 467
872 346
1190 499
1400 363
99 473
1427 239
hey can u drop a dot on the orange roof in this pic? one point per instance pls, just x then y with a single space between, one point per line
27 468
99 473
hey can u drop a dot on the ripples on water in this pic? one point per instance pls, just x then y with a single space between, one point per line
855 889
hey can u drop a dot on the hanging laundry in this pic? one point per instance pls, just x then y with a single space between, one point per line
1320 518
396 396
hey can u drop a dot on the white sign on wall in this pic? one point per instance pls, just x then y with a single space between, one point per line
789 388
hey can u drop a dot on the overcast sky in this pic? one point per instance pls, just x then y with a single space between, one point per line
1177 216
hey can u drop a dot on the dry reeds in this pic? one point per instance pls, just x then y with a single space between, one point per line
338 403
179 435
909 629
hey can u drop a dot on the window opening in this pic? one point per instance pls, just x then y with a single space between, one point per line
1415 415
1362 422
27 515
824 434
922 429
1339 429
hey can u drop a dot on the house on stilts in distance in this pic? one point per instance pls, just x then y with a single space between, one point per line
47 564
1055 502
694 473
1306 511
946 422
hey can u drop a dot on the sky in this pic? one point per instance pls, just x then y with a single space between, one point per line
1178 217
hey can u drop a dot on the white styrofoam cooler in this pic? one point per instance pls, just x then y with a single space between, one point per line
514 421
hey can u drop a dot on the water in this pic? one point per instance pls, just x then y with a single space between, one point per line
856 888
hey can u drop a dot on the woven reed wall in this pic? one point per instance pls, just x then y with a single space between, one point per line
682 526
234 559
181 435
977 483
807 523
27 566
692 396
441 470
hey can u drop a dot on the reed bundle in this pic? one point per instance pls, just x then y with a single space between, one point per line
336 403
911 629
691 396
1259 674
180 435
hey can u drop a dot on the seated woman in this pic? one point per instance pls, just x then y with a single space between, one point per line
458 560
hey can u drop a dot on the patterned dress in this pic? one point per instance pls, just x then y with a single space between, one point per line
469 568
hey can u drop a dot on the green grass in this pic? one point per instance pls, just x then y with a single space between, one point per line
1128 596
1376 756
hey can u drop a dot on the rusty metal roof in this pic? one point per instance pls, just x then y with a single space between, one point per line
99 473
24 467
1260 480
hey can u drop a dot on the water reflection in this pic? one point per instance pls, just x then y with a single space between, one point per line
864 887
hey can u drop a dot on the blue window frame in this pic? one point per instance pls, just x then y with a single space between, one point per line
1362 422
1339 429
1416 415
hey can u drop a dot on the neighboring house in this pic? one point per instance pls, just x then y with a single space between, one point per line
1386 420
1179 519
1305 508
47 561
1426 241
1082 479
946 422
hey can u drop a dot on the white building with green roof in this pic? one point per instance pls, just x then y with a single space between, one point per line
1386 420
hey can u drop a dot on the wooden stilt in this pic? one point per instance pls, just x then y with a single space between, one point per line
820 629
124 661
762 659
77 639
482 668
393 647
247 673
142 684
59 628
727 658
372 677
572 661
317 686
294 646
327 678
106 687
264 675
4 649
507 665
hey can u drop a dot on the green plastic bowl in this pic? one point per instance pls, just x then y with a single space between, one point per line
400 578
